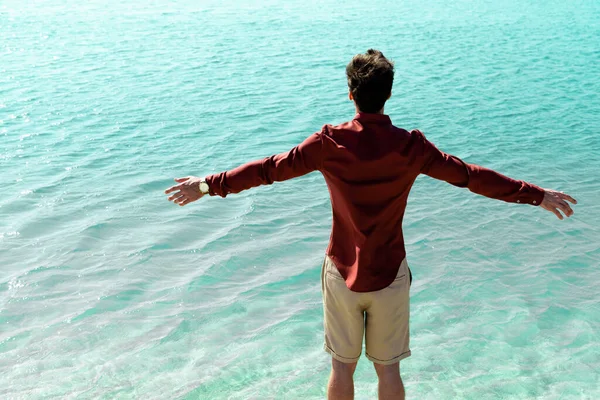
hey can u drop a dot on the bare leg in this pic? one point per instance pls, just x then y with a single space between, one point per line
390 383
341 384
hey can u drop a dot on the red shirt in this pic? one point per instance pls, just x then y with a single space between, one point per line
370 166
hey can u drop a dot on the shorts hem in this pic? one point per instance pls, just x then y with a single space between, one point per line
391 360
340 358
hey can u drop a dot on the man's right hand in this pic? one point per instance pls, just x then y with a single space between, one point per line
555 201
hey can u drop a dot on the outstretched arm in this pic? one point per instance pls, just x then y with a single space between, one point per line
486 182
299 161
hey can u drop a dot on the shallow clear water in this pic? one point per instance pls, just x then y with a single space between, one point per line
109 291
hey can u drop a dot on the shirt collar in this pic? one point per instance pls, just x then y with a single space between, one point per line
372 118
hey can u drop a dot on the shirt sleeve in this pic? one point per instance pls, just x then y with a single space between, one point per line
477 179
302 159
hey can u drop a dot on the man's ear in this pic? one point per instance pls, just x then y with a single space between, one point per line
350 96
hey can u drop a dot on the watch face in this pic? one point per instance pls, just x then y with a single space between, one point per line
204 187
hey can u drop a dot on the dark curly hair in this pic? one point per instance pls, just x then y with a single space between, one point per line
370 79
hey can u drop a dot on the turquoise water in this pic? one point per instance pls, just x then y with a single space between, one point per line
109 291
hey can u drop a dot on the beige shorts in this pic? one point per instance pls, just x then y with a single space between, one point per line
381 317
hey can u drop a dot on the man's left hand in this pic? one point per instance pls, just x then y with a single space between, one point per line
187 191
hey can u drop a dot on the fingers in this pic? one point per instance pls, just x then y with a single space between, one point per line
177 187
184 202
179 200
176 197
565 208
565 196
557 213
173 188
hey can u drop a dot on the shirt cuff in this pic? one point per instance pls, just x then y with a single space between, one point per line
214 188
531 194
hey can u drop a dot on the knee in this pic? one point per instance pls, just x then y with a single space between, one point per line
387 372
343 369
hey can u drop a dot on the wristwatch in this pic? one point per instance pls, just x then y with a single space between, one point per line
204 189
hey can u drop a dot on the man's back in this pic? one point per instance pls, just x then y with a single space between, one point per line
369 166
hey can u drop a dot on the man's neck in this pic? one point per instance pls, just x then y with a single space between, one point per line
361 112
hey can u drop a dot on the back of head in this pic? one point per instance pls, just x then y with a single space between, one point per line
370 79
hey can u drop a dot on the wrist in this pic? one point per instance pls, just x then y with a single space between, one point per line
204 187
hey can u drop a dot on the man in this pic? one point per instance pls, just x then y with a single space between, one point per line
369 166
